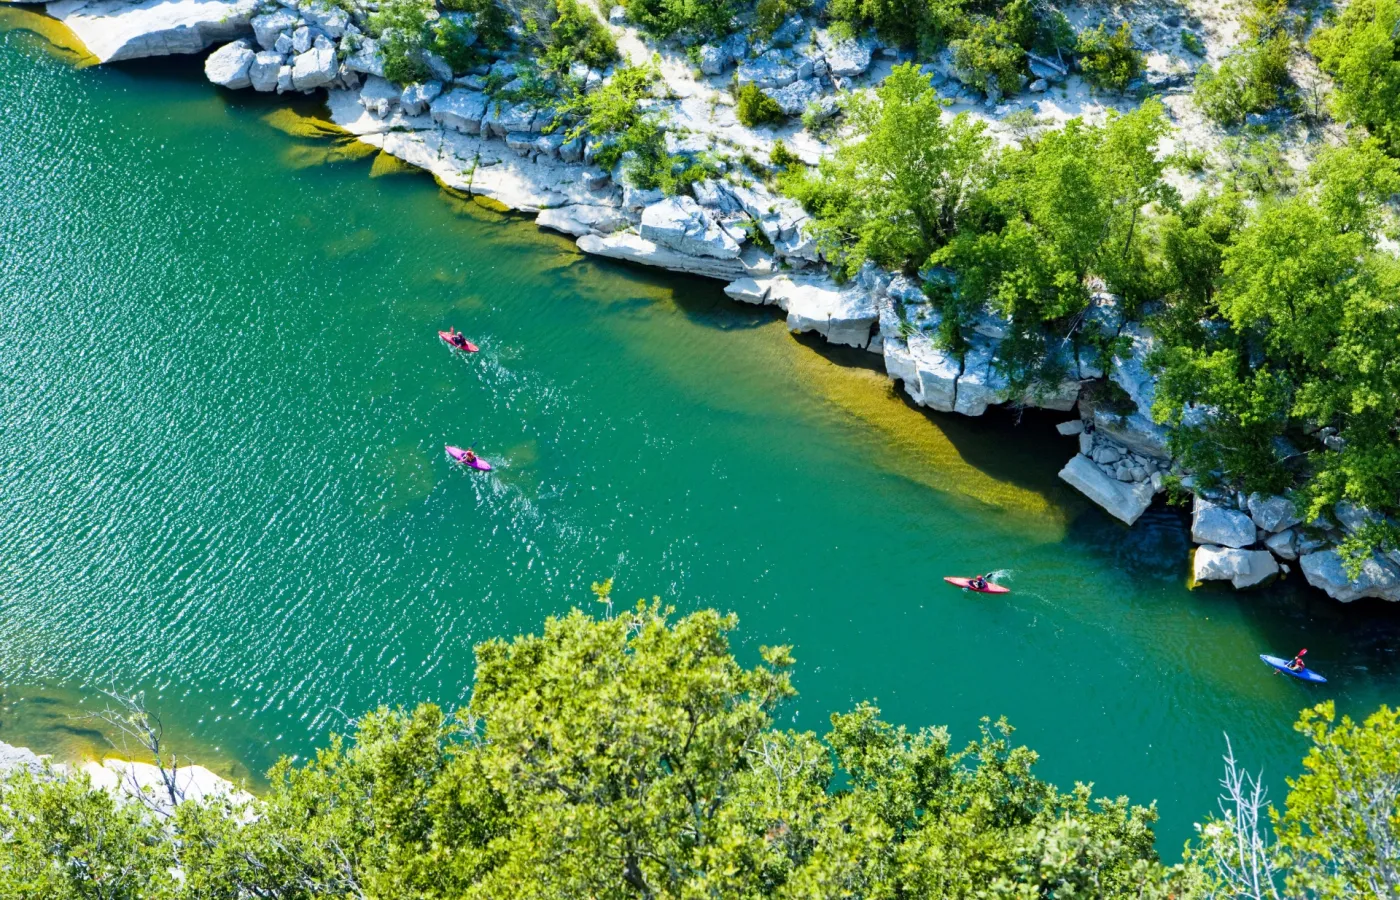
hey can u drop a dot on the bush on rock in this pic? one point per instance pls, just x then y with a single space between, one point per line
754 107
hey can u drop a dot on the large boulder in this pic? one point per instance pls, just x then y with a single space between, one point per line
315 68
268 26
1125 501
228 66
1272 513
772 70
1212 524
1242 568
936 374
1284 545
414 98
844 58
19 758
461 110
366 58
633 248
262 74
682 224
1379 577
581 219
114 30
981 384
502 118
379 95
842 315
793 99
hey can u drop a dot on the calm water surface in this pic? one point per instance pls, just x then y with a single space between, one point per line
222 411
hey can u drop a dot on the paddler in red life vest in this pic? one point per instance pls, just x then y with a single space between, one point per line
1297 664
456 338
979 583
471 457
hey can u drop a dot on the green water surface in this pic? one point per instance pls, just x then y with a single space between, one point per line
222 413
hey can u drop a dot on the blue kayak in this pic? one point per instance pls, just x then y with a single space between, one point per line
1305 673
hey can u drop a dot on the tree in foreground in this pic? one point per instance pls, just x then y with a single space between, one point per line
625 757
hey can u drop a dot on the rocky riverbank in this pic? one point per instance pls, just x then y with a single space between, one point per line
460 127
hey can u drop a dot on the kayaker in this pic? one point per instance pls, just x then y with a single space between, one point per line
1297 664
979 583
470 457
455 337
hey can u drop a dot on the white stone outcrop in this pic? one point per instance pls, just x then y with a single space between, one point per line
1272 513
228 66
1379 577
314 68
632 247
1212 524
1124 501
843 315
981 383
582 218
461 110
19 758
114 30
1242 568
262 74
366 58
144 782
684 226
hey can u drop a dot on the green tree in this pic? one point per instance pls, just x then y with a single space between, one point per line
62 840
754 108
1109 60
577 35
402 28
1362 52
895 195
1254 77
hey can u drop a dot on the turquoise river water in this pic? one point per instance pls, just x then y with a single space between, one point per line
222 412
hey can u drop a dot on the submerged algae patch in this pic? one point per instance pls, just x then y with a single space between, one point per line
389 164
52 36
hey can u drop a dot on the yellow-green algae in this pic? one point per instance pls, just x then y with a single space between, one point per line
56 39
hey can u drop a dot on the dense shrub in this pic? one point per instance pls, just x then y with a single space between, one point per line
578 35
753 107
1362 52
895 195
683 18
1254 77
922 25
402 28
991 54
1109 60
489 18
769 14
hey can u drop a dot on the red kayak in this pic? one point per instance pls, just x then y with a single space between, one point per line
460 455
966 584
466 345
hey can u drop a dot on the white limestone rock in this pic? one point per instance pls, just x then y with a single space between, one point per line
114 30
844 58
580 219
748 290
793 99
713 60
461 110
379 96
937 375
1284 545
284 79
1379 577
632 247
366 58
683 225
315 68
980 384
228 66
1072 427
414 98
331 20
135 779
12 757
502 118
1212 524
269 26
843 315
1273 513
1213 563
1124 501
773 69
262 74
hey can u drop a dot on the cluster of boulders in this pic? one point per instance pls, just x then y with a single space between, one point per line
301 48
1121 481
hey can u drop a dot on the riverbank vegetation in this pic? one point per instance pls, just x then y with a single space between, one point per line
635 756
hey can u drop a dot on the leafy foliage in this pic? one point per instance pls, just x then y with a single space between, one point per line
683 18
628 757
1254 77
1109 60
1339 834
1293 331
753 107
895 196
770 14
577 35
402 27
1362 52
924 25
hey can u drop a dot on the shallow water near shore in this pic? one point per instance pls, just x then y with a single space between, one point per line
222 412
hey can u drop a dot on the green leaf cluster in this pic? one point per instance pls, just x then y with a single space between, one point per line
752 107
402 29
1281 321
1109 60
1254 77
1362 52
897 194
694 19
624 757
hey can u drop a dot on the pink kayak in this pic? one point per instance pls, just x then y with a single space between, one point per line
966 584
465 345
460 455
